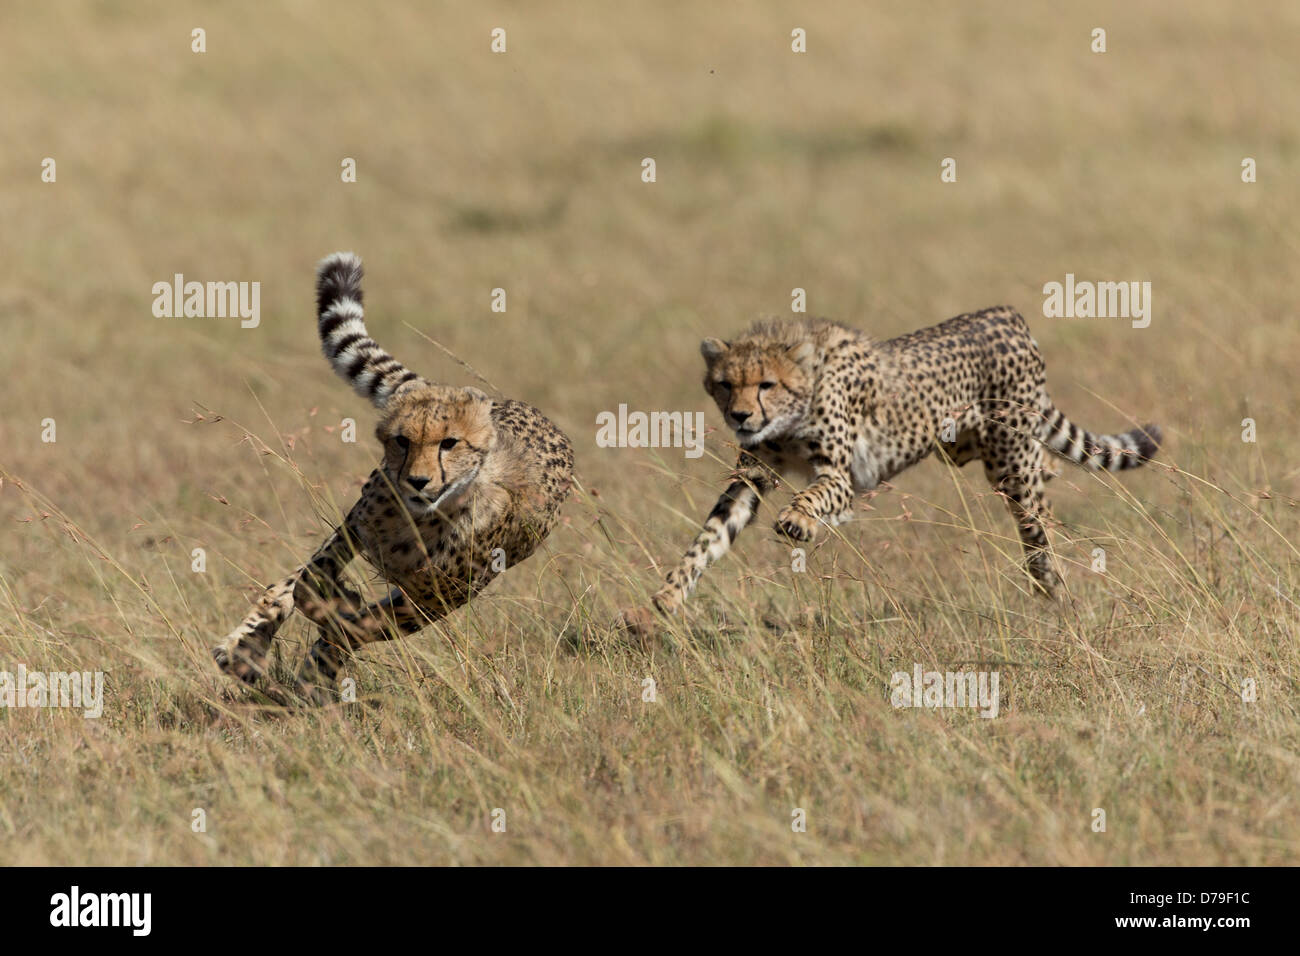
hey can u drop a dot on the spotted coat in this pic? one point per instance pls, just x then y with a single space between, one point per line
469 486
817 400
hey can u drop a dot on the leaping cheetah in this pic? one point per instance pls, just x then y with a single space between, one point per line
817 399
467 486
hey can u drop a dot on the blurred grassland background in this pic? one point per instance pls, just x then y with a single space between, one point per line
775 171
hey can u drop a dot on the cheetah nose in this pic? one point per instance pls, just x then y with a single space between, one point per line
417 483
739 417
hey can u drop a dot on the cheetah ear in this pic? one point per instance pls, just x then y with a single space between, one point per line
802 354
476 394
712 349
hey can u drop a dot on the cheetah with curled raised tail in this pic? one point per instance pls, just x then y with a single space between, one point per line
816 399
467 486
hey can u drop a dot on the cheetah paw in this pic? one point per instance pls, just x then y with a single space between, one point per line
1047 584
796 525
315 694
637 621
644 621
239 662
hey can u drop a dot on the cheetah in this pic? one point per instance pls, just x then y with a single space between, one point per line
467 487
817 400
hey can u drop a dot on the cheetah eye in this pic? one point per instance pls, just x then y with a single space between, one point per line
725 386
402 442
764 386
448 443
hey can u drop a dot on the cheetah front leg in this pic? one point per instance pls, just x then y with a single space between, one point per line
243 652
828 499
733 511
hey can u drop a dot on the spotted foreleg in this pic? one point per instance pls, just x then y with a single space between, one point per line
244 651
828 499
734 510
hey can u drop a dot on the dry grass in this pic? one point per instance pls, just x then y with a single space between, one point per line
775 171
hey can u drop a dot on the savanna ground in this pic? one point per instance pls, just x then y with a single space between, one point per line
774 170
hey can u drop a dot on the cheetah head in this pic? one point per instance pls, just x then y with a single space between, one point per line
763 389
436 439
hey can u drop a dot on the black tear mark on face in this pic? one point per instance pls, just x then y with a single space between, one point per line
404 443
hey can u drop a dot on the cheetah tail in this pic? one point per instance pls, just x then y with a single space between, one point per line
1100 452
371 371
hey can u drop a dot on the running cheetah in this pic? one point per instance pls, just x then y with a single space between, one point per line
467 487
817 399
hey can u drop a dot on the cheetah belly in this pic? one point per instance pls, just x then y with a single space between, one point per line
865 466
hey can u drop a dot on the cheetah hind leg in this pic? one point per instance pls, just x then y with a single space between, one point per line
343 630
1023 491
